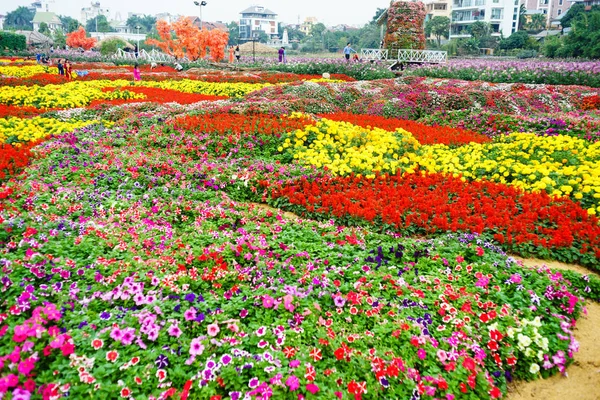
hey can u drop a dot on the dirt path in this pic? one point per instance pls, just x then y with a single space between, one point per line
583 376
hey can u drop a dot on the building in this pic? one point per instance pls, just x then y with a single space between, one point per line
552 9
257 19
502 15
208 25
167 17
41 5
93 11
307 25
49 18
120 26
438 8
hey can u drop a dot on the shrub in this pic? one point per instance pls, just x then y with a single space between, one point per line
110 46
12 41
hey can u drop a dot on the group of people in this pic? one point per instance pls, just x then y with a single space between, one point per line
348 51
64 67
234 52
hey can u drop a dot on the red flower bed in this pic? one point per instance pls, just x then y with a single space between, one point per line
14 158
157 95
224 123
425 134
21 111
158 74
530 223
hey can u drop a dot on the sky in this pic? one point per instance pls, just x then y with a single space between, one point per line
330 12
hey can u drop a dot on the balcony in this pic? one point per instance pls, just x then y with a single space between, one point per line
467 4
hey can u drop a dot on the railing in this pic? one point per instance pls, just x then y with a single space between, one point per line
374 54
152 56
422 56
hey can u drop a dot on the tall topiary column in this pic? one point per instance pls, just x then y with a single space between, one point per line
405 25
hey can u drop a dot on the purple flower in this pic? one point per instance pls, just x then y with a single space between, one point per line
226 359
190 297
292 382
162 361
339 301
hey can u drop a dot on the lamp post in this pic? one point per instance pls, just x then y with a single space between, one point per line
200 4
138 41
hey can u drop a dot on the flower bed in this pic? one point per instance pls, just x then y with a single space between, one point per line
178 290
548 72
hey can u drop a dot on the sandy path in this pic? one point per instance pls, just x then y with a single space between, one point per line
583 376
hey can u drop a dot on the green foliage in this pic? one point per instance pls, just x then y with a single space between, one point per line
110 46
438 27
44 30
377 15
518 40
318 29
537 22
12 41
146 23
69 24
584 38
480 29
551 46
102 25
575 11
59 38
234 33
19 19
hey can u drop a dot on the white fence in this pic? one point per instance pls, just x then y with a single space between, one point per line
422 56
152 56
374 54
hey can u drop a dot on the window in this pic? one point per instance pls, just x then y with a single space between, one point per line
496 1
545 11
559 12
497 13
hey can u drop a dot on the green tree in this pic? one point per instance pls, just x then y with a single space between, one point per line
110 46
438 27
44 30
69 24
522 17
536 23
317 29
234 33
369 37
575 11
551 47
263 37
518 40
479 29
103 25
19 19
584 38
146 23
377 15
59 38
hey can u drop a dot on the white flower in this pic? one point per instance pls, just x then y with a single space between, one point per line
524 341
534 368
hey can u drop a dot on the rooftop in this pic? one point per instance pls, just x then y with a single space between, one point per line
258 10
47 17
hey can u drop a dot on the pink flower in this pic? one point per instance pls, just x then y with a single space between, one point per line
292 382
174 330
311 387
287 302
26 366
268 301
190 314
421 353
196 347
213 330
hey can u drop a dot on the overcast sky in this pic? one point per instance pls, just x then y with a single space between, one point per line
331 12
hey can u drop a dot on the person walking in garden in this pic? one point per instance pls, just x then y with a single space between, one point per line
61 69
67 69
231 50
237 53
347 51
137 75
281 52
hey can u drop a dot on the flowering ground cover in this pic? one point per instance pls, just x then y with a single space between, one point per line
530 71
133 265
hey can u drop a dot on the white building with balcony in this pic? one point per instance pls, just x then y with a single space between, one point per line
502 15
93 11
256 19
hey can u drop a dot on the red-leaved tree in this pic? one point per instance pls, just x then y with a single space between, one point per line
77 39
189 41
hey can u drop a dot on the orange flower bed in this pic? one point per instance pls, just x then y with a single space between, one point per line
14 158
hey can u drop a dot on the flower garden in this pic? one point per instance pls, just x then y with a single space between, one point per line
148 250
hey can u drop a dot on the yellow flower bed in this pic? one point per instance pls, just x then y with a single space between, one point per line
344 148
29 129
25 71
560 165
208 88
67 95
